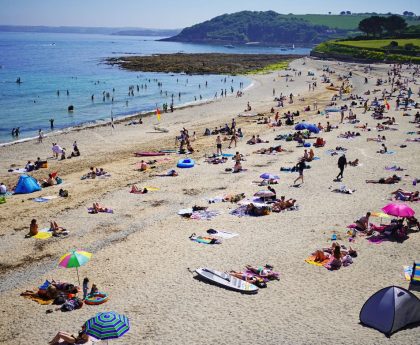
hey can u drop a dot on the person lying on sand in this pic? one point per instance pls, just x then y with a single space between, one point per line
339 255
96 208
60 337
379 139
249 279
255 211
389 180
354 163
143 166
283 204
406 196
264 272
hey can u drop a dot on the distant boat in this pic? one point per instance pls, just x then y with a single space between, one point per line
229 46
252 43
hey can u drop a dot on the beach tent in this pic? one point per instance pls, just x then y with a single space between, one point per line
390 309
26 184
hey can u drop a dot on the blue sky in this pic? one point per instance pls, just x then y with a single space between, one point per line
172 13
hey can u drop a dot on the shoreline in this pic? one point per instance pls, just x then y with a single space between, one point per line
120 119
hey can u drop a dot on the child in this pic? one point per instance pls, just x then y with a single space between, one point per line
93 290
85 287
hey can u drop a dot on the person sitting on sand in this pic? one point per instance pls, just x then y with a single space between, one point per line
60 337
33 228
252 141
3 189
383 150
237 167
48 182
389 180
311 155
91 173
172 173
143 166
57 230
362 224
412 223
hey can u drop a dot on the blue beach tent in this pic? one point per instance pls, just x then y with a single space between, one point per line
391 309
27 184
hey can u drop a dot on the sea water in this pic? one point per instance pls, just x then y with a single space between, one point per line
49 65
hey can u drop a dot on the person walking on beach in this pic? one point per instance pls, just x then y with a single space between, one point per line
300 167
40 136
219 145
342 116
342 163
233 139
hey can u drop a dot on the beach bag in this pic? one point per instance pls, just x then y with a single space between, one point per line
63 193
58 180
2 199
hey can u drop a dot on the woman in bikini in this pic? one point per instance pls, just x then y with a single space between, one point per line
81 338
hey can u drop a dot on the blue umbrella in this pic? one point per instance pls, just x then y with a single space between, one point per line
108 325
312 128
300 126
267 176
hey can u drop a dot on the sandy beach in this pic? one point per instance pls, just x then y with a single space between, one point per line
142 255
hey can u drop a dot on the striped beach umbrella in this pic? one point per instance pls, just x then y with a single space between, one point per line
75 258
107 325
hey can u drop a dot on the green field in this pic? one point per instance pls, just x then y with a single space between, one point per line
350 22
379 43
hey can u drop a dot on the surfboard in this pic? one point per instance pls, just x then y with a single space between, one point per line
248 115
226 280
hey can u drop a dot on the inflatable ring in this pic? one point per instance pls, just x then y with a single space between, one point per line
185 163
96 298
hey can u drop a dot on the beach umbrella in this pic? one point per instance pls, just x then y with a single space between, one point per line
379 215
300 126
398 210
267 176
75 258
264 194
107 325
312 128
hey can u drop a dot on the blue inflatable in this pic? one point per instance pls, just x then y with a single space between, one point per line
307 145
185 163
27 184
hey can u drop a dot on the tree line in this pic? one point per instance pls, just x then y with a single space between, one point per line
378 26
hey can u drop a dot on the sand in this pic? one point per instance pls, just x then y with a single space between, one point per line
142 255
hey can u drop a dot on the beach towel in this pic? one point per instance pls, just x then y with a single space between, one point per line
18 171
310 260
222 234
389 152
45 198
36 298
376 239
205 240
41 235
204 215
408 272
92 211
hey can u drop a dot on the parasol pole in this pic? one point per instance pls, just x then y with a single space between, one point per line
78 279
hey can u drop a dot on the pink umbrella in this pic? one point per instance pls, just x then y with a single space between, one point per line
398 210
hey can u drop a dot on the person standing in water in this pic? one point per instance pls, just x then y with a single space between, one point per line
52 123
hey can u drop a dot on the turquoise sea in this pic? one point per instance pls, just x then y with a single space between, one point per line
47 63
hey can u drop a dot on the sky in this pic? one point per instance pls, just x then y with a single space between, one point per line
169 14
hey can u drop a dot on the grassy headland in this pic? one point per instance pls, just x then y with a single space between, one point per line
204 63
389 50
